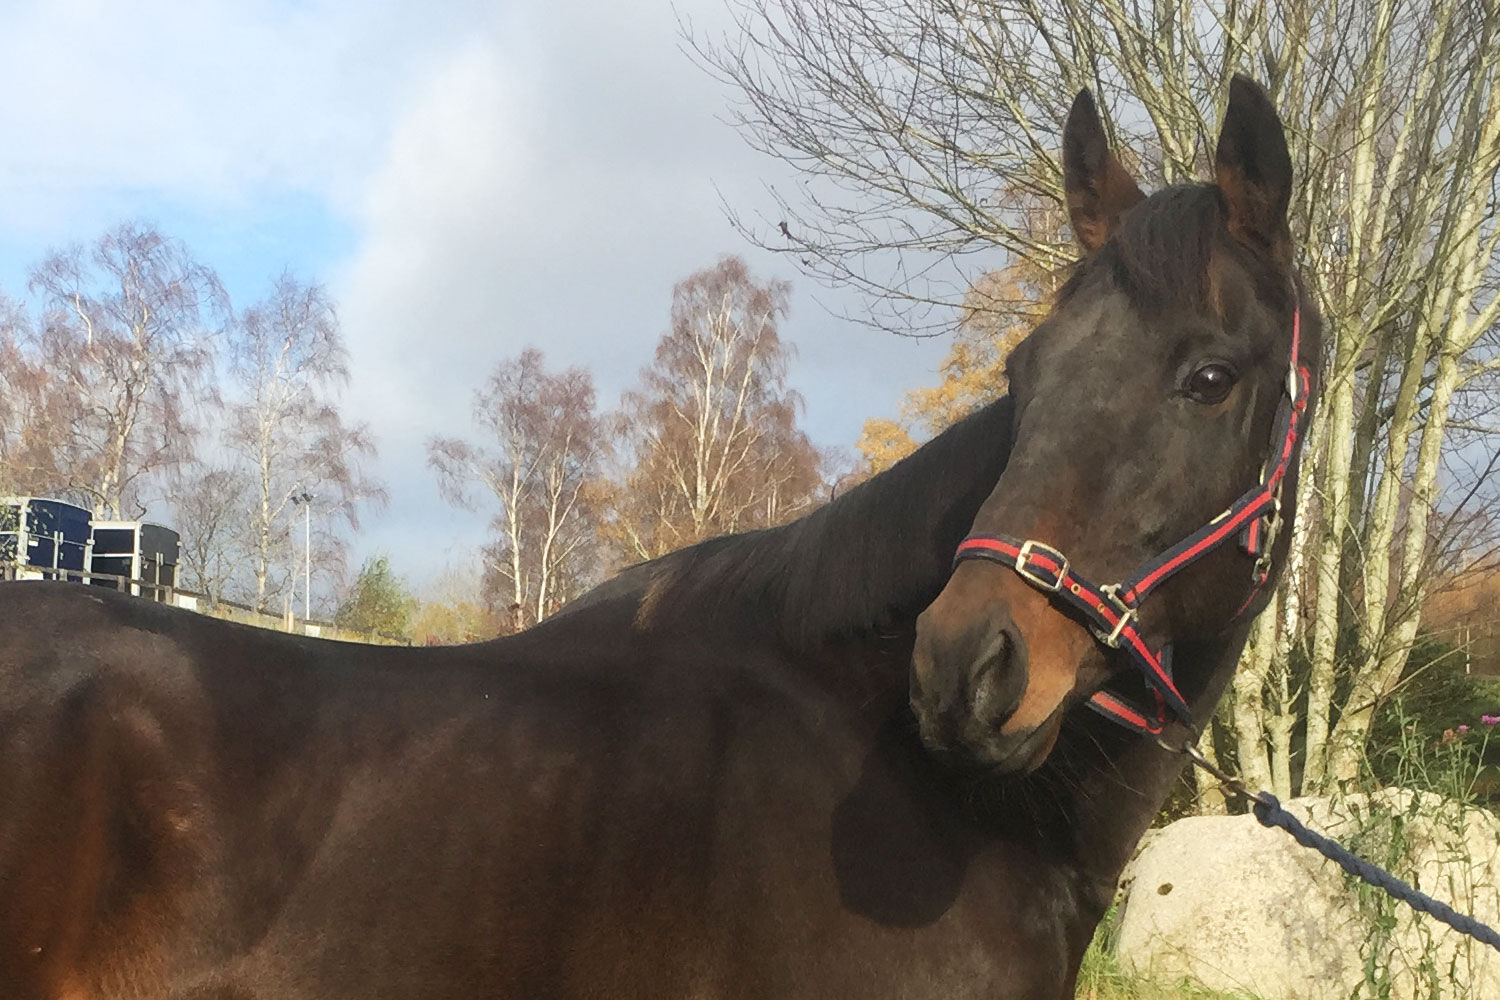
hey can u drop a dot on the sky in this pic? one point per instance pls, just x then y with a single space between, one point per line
466 178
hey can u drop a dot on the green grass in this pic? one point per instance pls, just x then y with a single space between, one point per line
1102 978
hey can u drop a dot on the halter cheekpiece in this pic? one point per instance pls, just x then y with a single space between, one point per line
1112 610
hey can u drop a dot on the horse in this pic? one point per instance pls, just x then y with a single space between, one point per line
816 760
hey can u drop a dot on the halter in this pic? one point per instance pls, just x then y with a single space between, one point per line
1112 610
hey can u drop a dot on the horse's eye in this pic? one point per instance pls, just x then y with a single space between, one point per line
1211 383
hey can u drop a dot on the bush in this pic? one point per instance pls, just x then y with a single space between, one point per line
379 601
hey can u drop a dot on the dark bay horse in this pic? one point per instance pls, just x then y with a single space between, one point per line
814 761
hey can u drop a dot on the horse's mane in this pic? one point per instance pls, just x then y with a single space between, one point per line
867 561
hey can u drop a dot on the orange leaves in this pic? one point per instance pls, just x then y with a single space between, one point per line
998 311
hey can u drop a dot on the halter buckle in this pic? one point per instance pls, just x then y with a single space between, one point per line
1126 613
1032 547
1272 523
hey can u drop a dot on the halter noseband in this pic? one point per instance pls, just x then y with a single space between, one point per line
1112 610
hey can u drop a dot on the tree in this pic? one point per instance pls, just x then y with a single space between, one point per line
928 134
32 427
710 438
287 366
997 313
882 443
452 611
379 601
925 134
209 503
128 347
443 623
1466 618
10 404
539 462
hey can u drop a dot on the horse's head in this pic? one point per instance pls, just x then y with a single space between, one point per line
1153 399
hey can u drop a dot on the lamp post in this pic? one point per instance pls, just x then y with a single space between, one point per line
305 501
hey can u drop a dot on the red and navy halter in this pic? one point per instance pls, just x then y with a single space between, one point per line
1112 610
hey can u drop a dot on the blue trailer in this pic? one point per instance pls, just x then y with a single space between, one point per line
43 538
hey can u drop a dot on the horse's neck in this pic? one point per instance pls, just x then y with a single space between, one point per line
1114 782
847 582
884 551
864 565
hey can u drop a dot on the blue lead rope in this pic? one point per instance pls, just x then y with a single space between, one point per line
1268 810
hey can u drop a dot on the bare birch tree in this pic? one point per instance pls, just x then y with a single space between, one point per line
128 343
11 319
288 364
31 428
711 436
209 504
539 461
928 131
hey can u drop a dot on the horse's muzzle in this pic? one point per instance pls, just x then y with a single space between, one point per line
965 685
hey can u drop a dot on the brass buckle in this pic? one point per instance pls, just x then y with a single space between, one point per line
1023 558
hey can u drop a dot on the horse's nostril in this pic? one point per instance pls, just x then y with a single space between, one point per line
999 674
966 683
987 694
989 670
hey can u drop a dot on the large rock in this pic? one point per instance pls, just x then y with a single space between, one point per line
1236 906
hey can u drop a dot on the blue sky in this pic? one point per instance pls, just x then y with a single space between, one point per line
467 178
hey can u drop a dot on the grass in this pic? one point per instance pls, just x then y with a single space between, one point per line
1102 978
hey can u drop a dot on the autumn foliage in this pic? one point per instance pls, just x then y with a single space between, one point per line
998 311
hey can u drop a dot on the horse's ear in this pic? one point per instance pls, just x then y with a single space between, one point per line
1254 171
1098 189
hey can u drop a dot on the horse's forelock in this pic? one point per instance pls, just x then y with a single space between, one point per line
1163 252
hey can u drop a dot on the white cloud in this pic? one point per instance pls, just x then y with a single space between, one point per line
513 173
213 102
453 178
546 185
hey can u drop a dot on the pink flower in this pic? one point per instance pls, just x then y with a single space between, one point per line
1463 729
1490 720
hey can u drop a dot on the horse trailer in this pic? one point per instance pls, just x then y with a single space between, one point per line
135 556
41 538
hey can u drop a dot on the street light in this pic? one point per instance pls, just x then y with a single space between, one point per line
305 501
